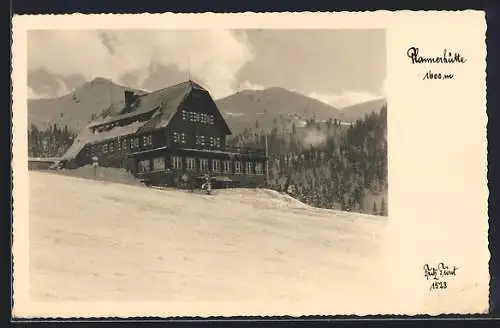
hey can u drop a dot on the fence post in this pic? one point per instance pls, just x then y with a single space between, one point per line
95 163
267 163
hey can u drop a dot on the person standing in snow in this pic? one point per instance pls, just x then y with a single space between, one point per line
206 185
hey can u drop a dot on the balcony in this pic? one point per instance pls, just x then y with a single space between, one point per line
247 151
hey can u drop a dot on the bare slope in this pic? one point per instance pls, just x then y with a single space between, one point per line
101 241
358 111
76 109
243 108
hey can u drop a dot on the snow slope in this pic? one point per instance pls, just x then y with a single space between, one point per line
241 251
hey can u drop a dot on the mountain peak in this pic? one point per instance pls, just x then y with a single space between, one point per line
100 80
281 89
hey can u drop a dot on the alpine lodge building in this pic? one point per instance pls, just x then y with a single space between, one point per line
168 137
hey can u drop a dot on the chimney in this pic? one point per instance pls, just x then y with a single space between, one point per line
130 97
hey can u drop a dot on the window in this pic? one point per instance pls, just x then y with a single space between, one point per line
212 142
200 140
111 147
176 137
217 142
216 165
147 140
249 168
197 117
144 166
176 162
190 163
179 137
158 163
124 145
105 148
259 168
134 143
119 146
227 166
237 167
203 164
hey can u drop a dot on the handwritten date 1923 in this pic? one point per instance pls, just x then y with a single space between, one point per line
438 285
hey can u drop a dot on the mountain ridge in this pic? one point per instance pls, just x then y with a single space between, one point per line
359 110
243 109
77 108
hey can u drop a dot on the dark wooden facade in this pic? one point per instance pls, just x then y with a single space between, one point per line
170 145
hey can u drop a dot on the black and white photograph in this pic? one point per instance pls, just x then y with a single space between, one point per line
219 166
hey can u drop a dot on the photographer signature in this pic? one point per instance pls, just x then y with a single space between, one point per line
440 271
438 274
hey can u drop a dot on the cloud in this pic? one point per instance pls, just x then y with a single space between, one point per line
32 94
314 138
383 88
246 85
57 88
215 56
346 98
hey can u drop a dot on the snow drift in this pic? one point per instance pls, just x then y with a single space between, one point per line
95 241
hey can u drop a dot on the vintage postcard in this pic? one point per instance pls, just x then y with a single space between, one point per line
249 164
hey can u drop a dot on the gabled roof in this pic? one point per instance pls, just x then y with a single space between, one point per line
167 100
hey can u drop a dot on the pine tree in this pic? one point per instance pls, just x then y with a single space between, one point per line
337 173
382 207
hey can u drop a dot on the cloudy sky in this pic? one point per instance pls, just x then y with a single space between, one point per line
340 67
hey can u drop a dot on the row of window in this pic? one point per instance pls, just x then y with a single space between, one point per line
202 164
213 142
198 117
158 165
123 144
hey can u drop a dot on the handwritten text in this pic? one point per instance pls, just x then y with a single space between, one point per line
447 57
439 274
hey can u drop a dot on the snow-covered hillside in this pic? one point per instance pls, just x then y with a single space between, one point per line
98 241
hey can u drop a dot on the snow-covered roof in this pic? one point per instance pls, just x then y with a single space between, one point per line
147 151
88 137
43 159
167 100
210 151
